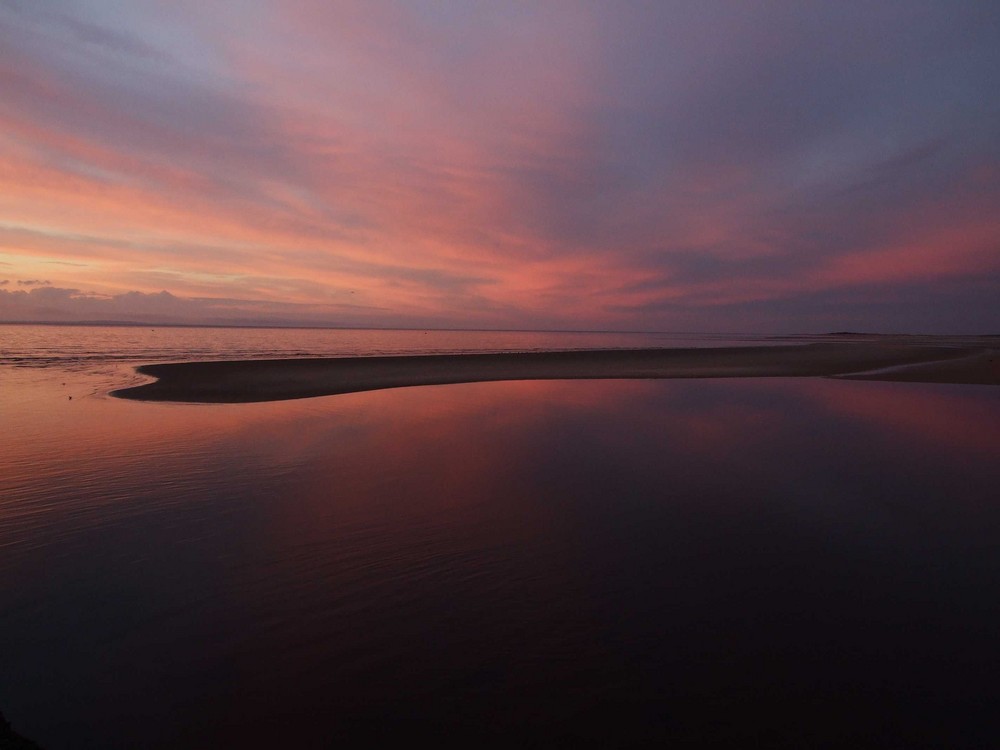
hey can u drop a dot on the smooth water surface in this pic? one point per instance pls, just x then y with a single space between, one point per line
800 562
85 348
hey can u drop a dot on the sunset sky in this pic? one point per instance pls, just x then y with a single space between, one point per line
784 166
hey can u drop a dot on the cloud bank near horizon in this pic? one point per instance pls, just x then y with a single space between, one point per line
640 166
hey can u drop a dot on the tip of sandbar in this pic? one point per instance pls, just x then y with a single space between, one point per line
279 380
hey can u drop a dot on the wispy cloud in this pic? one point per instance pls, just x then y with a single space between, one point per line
570 164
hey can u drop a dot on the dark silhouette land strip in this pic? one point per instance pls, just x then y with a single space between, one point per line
280 379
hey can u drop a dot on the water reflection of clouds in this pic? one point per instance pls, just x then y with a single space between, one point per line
951 418
533 448
492 548
475 434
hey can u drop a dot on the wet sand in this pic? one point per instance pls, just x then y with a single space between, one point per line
281 379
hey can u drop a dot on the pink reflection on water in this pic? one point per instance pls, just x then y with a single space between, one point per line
438 452
950 418
366 554
431 456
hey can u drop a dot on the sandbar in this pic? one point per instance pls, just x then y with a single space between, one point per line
241 381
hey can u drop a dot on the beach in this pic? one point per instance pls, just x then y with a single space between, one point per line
499 374
279 379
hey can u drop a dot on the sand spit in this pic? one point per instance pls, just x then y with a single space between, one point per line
280 379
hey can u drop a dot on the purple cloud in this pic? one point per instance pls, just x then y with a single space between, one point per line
663 165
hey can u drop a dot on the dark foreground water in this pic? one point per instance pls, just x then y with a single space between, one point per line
761 562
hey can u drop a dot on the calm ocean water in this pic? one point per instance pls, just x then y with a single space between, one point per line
614 563
80 347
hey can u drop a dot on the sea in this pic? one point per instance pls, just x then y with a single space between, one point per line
761 562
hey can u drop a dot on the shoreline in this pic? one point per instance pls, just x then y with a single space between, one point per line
246 381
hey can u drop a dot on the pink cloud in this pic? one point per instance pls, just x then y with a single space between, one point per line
499 165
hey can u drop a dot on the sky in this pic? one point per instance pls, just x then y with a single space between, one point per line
687 165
